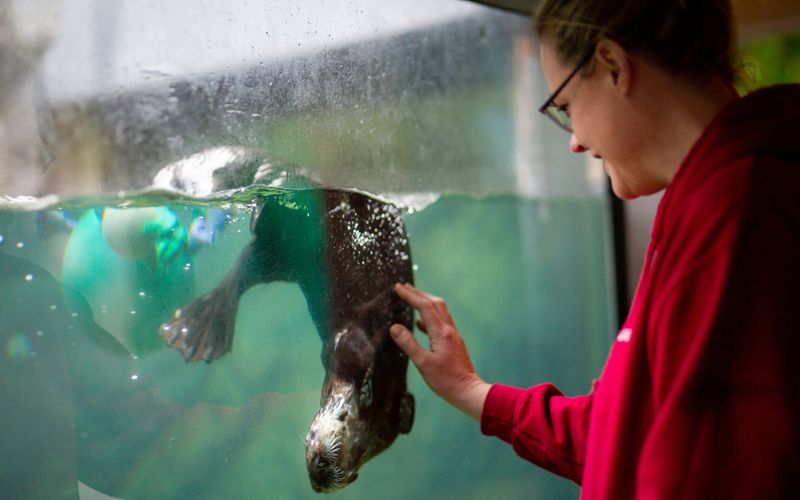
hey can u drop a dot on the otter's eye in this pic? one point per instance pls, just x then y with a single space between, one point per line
342 416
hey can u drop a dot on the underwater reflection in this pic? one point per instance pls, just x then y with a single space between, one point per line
76 405
134 265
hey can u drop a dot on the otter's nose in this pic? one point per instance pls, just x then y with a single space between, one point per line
318 468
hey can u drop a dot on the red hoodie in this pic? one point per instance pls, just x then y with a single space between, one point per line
700 395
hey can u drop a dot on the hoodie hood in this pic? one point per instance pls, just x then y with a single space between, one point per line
747 155
763 122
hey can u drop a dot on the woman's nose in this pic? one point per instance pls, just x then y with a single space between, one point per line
575 146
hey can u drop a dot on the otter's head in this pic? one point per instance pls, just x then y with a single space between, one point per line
364 406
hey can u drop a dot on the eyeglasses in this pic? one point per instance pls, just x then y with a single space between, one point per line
559 114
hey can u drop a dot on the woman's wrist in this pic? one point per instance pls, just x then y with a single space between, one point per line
470 400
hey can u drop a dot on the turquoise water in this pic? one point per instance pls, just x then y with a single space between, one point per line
90 393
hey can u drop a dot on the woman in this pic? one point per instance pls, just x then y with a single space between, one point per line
700 395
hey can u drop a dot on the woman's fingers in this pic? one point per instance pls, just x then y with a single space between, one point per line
445 366
441 306
407 343
433 312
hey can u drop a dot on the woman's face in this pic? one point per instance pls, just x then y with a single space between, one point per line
602 122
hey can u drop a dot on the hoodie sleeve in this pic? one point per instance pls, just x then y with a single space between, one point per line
541 424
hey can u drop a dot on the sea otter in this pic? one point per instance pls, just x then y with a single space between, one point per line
346 250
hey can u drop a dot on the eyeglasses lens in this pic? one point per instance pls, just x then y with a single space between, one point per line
560 116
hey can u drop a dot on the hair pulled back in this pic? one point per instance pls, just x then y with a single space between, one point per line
693 37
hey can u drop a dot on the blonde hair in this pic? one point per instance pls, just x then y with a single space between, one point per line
693 37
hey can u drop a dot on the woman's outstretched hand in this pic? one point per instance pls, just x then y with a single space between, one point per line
445 366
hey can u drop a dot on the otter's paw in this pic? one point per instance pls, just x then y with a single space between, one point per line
203 330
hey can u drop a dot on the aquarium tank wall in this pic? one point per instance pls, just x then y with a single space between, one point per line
136 140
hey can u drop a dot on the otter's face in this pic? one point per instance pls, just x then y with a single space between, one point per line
337 440
354 424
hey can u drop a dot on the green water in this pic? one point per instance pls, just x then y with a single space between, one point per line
89 393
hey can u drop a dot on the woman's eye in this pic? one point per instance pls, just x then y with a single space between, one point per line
564 108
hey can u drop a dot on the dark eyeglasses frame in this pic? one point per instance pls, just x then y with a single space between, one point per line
551 110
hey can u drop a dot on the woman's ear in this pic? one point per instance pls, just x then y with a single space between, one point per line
614 59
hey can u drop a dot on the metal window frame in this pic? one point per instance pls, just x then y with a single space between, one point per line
752 18
519 6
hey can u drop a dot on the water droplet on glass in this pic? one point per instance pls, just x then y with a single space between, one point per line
135 376
28 277
20 244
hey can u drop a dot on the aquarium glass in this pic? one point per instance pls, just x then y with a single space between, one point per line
138 137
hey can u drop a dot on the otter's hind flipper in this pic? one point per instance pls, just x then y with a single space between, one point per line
204 329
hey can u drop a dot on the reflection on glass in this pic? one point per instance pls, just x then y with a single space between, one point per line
385 96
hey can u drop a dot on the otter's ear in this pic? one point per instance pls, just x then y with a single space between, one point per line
365 394
406 413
